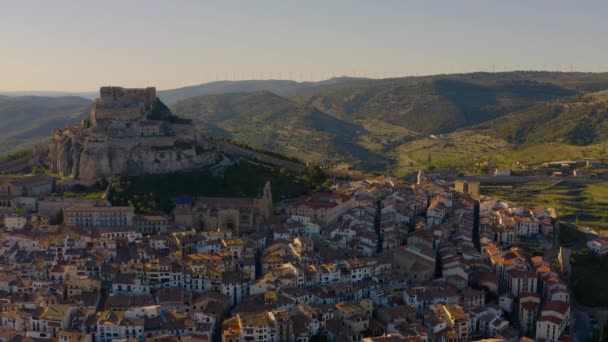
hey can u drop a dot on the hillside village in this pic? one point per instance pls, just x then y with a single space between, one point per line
375 259
358 259
304 171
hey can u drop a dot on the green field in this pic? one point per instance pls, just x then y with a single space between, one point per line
584 204
537 154
473 153
464 150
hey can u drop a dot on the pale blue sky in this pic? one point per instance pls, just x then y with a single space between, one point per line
79 45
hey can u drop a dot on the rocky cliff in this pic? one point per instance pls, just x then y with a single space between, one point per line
130 140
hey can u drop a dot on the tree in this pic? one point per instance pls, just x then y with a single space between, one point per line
315 176
101 183
38 170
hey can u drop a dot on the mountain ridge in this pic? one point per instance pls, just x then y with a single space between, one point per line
362 121
580 120
26 119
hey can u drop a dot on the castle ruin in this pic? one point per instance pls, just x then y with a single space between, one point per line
129 132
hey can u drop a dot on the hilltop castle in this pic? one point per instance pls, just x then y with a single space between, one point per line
129 132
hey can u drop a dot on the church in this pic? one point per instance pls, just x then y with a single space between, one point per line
236 214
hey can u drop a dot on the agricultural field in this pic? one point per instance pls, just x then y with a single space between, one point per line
581 203
537 154
465 150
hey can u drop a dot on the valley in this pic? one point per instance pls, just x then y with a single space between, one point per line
474 122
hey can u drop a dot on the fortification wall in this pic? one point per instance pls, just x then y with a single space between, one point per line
126 95
243 152
123 114
143 141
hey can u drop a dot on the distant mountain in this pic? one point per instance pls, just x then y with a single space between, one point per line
279 87
580 120
364 121
85 94
435 104
26 120
170 96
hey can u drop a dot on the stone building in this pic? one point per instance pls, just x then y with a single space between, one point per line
129 131
529 304
468 188
103 216
323 207
32 186
24 192
236 214
415 262
457 319
256 326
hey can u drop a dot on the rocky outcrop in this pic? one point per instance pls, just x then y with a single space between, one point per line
140 137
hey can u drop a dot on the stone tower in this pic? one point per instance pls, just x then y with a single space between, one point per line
266 202
420 178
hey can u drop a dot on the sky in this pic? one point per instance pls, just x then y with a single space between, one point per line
79 45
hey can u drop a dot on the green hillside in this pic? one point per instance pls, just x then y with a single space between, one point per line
265 120
580 120
279 87
435 104
378 124
374 123
27 120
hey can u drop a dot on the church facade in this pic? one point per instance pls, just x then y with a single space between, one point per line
236 214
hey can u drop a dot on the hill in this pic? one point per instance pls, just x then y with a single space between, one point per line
435 104
266 120
26 120
581 120
279 87
41 93
374 122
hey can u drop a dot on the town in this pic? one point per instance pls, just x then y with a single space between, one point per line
371 258
304 171
375 259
